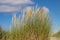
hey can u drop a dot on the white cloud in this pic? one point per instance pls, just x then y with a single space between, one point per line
16 2
7 9
10 5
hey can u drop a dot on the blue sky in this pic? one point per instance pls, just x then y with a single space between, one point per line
7 9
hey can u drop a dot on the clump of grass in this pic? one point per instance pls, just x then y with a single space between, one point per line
36 27
3 33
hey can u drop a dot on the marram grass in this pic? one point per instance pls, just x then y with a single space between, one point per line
36 26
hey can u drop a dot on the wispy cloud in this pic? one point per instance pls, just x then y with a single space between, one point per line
7 9
12 5
16 2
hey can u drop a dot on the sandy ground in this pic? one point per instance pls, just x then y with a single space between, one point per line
54 38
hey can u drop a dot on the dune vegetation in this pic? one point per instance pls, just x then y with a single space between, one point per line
35 25
57 34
